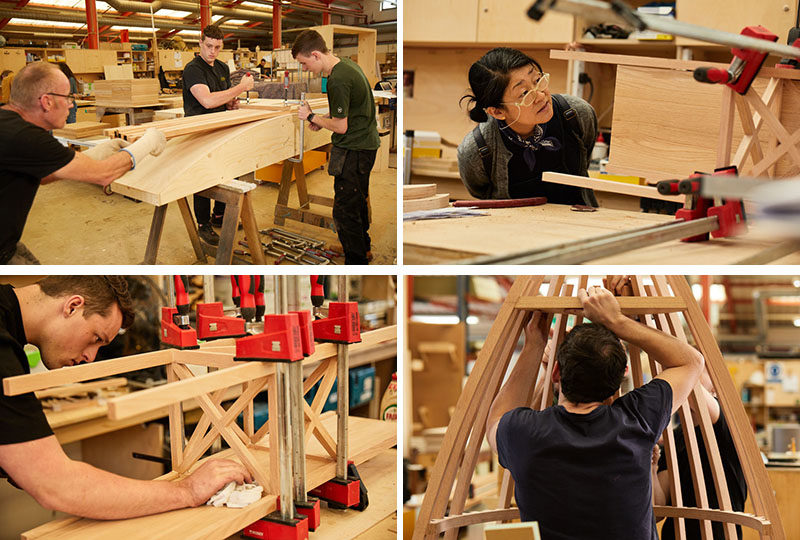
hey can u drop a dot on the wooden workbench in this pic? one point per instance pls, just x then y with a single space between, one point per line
509 230
368 439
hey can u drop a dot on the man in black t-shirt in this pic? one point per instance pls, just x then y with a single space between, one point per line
582 468
207 89
40 101
69 318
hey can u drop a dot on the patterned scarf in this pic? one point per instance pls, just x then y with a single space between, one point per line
531 144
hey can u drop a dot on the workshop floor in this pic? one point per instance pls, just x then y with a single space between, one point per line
75 223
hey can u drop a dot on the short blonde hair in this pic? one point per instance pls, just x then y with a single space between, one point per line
32 81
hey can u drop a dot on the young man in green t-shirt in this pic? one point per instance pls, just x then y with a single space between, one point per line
355 139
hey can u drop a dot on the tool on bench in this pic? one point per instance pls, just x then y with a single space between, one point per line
175 328
502 203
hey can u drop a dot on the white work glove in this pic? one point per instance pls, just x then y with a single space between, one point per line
105 149
152 142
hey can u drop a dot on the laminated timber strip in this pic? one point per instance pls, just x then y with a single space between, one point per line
205 122
630 305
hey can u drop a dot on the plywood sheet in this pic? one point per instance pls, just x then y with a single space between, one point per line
79 130
666 125
368 438
516 229
192 163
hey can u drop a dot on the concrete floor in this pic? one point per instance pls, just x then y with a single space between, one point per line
75 223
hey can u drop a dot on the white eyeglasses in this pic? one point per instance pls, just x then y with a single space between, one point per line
530 95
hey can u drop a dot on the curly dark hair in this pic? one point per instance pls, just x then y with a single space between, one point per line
592 362
98 292
212 31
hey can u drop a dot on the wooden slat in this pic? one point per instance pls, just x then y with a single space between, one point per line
760 524
81 388
610 186
440 200
472 518
21 384
630 305
418 191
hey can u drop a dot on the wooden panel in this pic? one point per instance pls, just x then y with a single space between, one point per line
441 240
440 80
733 15
506 21
79 130
125 71
13 59
126 93
665 124
441 22
196 162
112 451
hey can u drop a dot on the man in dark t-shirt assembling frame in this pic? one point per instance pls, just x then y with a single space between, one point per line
355 139
207 89
582 468
29 155
69 318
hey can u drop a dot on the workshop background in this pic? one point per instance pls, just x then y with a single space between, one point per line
128 65
78 417
755 320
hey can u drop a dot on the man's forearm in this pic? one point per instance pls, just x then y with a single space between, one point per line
516 391
90 492
326 122
220 98
667 350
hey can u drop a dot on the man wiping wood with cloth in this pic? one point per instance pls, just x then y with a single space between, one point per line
29 155
69 318
355 139
582 467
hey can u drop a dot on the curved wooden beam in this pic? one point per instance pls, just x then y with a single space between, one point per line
760 524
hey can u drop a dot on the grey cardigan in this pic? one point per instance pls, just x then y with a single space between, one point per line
470 165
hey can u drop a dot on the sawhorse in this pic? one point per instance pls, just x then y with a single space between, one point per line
236 196
303 213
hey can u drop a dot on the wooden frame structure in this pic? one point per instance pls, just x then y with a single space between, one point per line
198 161
367 46
253 448
658 305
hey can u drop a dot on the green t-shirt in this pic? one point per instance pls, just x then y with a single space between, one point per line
350 96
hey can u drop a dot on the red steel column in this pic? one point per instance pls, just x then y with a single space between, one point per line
205 13
91 25
326 15
276 24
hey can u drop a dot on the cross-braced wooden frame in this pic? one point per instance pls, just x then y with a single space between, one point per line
210 390
658 305
756 111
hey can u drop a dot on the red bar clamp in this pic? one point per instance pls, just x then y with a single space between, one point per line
349 493
178 333
730 214
745 65
212 323
306 331
280 342
274 527
310 509
341 325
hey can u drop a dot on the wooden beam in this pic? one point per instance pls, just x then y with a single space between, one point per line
760 524
610 186
630 305
472 518
21 384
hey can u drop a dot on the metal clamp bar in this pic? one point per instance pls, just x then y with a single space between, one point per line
299 159
342 395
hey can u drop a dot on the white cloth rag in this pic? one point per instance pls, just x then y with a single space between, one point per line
236 496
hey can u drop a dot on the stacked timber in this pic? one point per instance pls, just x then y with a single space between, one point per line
205 122
126 93
81 130
423 197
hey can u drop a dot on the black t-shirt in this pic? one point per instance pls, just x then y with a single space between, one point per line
524 182
21 417
198 71
28 153
734 477
587 476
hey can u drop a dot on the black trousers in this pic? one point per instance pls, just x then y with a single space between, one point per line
202 209
351 169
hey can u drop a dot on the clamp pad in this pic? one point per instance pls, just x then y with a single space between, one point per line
212 323
280 342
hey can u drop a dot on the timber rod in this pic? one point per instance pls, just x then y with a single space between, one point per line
603 246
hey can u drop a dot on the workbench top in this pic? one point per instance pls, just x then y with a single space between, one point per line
508 230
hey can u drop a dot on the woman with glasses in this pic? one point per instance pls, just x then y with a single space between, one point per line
523 131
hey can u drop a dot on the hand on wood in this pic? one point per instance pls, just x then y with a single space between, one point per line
619 285
152 142
233 104
212 476
314 127
537 331
601 307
